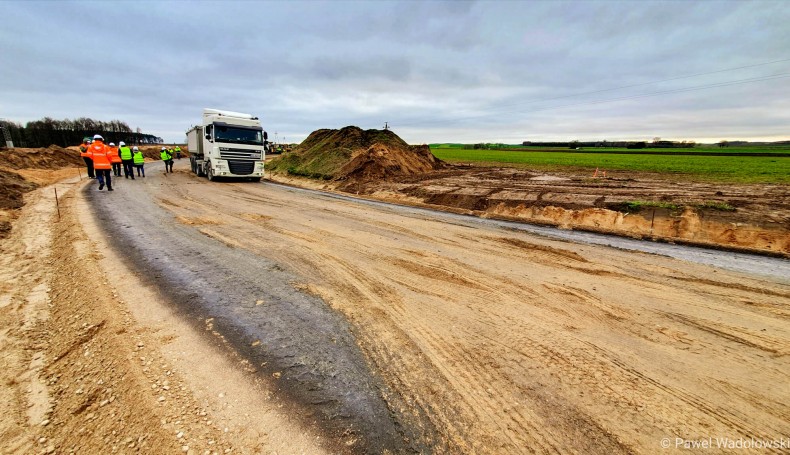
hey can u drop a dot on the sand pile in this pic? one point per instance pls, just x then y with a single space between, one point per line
355 154
52 157
380 161
12 187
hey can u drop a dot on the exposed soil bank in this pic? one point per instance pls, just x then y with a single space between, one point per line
22 170
752 218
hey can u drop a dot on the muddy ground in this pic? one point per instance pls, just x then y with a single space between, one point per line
750 217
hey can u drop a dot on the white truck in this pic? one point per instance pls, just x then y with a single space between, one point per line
227 144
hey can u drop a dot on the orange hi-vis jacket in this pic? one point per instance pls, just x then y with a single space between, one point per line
112 154
97 151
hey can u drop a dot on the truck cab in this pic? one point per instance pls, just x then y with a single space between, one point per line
227 144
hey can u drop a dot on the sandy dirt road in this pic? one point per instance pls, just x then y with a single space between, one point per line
94 360
494 341
507 342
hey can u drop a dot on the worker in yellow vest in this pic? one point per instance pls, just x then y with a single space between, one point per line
167 157
139 161
126 157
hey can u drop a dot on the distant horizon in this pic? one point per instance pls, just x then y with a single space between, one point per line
272 138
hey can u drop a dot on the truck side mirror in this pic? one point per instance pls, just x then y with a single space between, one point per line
265 136
208 137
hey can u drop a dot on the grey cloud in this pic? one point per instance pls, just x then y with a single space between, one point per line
439 70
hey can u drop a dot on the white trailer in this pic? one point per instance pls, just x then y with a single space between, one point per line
227 144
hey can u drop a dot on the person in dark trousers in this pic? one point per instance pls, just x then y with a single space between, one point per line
98 153
126 157
87 159
139 161
178 152
115 160
167 157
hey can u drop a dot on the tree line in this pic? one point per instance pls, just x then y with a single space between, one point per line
48 131
657 143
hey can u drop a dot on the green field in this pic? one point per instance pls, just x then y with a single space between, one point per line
742 169
699 149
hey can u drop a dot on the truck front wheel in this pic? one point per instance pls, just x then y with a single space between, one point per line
210 173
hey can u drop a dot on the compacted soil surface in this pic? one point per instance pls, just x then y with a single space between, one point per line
750 217
472 338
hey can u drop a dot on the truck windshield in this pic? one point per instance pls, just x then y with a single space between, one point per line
223 133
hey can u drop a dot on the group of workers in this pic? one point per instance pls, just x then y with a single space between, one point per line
100 159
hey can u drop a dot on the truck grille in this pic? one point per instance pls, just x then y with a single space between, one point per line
231 153
241 167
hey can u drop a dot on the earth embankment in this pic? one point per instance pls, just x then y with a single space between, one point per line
22 170
744 217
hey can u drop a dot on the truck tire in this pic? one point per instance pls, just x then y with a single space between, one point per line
210 173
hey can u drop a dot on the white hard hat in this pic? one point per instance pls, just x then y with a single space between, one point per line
163 148
133 148
113 143
98 137
121 144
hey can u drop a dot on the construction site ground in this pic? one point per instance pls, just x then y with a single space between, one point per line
653 206
478 339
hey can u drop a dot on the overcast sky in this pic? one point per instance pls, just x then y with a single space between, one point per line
489 71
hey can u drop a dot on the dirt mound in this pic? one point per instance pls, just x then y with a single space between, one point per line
380 161
355 154
12 187
52 157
